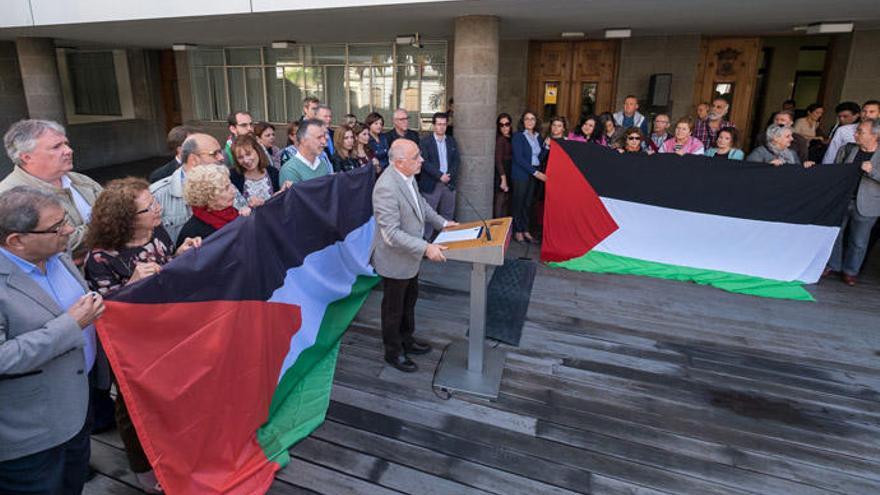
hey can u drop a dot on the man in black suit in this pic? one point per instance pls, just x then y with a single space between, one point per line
176 136
401 128
437 178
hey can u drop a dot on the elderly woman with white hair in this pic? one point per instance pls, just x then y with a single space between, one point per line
777 151
210 194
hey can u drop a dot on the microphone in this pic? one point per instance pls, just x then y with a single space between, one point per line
485 225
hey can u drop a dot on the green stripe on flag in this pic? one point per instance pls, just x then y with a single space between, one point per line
300 402
598 262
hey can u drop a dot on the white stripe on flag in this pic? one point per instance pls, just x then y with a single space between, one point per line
325 276
773 250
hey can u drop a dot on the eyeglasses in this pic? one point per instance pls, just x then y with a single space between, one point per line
216 153
504 124
401 118
54 229
154 205
633 138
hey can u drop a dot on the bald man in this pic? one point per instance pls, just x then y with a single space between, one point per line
398 248
197 149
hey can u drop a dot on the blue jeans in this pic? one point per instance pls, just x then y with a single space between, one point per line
60 470
849 260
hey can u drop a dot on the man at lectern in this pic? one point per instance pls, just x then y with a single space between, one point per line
398 248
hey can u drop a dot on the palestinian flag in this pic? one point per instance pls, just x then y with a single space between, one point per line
739 226
226 357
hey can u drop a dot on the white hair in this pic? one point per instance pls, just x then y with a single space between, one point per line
22 136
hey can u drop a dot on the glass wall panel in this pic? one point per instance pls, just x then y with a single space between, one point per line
334 95
204 57
255 94
353 78
275 94
382 92
237 100
359 92
293 77
220 103
370 54
243 56
324 54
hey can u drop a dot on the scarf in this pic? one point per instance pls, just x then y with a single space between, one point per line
215 218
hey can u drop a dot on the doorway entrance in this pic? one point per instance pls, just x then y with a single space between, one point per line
729 69
572 79
169 89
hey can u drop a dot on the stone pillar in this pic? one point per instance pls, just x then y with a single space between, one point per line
39 76
475 70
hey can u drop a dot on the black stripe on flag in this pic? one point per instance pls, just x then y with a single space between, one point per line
249 258
757 191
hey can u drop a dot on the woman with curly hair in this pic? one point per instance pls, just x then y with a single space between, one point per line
210 194
128 243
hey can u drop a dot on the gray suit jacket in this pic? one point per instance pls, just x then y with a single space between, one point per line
398 246
44 390
868 197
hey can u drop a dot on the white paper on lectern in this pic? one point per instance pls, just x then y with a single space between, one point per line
458 235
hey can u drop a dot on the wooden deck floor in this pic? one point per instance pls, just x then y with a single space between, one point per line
621 385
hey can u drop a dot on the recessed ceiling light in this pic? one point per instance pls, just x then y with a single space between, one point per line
618 33
182 47
282 44
830 28
572 34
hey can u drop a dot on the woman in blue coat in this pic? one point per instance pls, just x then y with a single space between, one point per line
525 173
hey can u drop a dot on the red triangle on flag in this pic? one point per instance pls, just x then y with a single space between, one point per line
575 220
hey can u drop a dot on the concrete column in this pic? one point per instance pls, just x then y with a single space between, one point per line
476 92
39 75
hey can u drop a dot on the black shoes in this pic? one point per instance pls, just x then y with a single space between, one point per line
402 362
417 348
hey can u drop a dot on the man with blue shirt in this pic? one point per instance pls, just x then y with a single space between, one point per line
48 349
440 169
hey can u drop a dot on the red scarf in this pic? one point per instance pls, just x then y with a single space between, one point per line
215 218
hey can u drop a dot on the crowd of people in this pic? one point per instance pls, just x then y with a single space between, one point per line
521 156
66 242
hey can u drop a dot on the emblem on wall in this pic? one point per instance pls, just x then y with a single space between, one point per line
726 62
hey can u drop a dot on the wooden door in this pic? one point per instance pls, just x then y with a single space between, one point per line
593 79
729 68
570 79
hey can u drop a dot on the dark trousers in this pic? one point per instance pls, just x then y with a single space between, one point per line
523 196
60 470
398 313
137 459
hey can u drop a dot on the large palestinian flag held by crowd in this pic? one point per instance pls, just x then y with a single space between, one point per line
226 357
743 227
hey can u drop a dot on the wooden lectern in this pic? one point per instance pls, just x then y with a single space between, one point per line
472 367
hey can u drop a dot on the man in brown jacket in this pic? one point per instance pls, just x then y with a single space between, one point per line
43 159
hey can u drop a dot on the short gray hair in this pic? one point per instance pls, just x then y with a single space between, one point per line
304 128
20 209
22 136
875 125
775 131
189 147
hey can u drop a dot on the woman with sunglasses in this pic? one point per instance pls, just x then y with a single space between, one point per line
633 141
525 172
503 158
128 243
